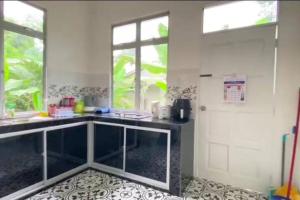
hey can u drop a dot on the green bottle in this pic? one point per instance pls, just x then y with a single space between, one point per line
79 107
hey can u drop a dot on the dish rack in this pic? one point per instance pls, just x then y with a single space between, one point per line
55 111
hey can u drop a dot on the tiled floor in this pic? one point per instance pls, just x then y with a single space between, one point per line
209 190
92 185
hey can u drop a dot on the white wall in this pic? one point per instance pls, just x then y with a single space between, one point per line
67 41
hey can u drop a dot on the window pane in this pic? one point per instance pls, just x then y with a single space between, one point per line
23 72
124 34
124 79
154 28
239 14
153 74
23 14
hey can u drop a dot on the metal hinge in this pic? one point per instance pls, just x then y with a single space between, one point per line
205 75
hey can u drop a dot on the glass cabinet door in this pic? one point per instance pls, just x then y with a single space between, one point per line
146 154
21 162
108 145
66 149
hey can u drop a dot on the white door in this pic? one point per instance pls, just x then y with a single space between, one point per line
234 139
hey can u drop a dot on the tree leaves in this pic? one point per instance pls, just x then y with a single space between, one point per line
162 85
263 21
37 101
23 71
119 67
30 90
154 69
124 82
163 30
12 84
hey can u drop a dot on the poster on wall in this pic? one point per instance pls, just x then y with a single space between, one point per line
235 88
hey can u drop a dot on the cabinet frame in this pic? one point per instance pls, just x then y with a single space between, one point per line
122 172
46 182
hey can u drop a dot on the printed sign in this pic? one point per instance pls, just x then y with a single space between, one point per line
235 88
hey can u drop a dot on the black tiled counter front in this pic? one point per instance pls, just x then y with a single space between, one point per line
181 142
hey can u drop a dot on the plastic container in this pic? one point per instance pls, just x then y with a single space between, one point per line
79 107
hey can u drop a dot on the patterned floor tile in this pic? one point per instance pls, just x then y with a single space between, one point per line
202 189
94 185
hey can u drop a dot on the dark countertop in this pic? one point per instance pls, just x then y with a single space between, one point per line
14 125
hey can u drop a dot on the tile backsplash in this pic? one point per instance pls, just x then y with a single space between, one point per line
175 92
57 92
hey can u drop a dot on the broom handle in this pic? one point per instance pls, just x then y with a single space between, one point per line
294 151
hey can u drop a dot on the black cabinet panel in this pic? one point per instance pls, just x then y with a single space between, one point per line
146 154
66 149
21 162
108 145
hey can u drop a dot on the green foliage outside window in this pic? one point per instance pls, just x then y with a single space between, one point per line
124 83
23 72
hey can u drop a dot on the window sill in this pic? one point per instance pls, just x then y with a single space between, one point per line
20 115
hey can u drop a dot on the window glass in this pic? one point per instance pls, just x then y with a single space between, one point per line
124 34
239 14
23 72
147 70
124 79
154 28
153 74
23 14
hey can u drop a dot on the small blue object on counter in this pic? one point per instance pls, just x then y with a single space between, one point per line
102 110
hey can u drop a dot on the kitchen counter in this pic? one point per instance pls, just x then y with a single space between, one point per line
14 125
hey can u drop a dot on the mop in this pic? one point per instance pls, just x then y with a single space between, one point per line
283 190
294 151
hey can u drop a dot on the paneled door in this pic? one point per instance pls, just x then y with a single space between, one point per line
234 139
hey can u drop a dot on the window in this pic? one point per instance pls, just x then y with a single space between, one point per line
22 57
140 60
239 14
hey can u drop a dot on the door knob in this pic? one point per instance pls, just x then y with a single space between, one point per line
203 108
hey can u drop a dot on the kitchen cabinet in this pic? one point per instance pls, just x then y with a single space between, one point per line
21 162
146 157
66 149
147 154
36 155
109 145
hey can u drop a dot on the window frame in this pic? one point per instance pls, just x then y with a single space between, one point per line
137 45
23 30
216 4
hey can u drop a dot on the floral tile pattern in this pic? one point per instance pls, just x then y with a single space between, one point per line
55 91
92 185
60 91
175 92
202 189
95 185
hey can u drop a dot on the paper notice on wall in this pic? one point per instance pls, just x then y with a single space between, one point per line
235 88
